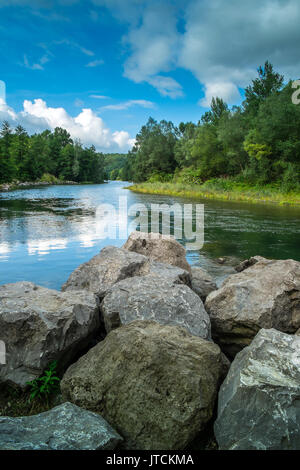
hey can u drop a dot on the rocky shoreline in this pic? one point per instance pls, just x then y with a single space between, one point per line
152 354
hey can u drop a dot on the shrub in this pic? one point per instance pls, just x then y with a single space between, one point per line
48 178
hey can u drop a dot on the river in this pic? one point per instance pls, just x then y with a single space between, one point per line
45 233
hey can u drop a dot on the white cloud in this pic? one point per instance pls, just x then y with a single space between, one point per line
154 44
99 97
38 65
166 86
223 47
95 63
86 126
226 90
74 45
221 42
2 91
121 137
129 104
48 55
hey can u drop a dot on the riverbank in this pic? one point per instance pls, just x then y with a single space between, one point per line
29 184
218 190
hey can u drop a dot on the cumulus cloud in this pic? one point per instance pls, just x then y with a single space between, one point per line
224 47
154 44
226 90
221 42
89 128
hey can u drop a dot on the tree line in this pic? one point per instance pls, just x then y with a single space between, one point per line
257 142
47 156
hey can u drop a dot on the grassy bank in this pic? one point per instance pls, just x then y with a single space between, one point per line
222 190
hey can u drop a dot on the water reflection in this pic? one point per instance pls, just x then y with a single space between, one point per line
43 247
45 233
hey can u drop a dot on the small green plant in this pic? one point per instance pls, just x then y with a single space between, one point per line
48 384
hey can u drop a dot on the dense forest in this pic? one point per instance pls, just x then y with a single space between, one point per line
48 156
257 143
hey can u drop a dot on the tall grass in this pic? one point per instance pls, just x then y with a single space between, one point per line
222 189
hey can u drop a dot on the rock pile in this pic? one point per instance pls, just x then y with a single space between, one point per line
155 377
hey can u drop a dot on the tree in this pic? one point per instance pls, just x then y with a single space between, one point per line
267 83
18 149
218 109
184 145
232 131
7 167
154 150
207 153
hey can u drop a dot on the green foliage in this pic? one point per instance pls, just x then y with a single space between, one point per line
219 109
28 158
254 147
267 84
257 143
290 179
42 387
114 164
189 175
153 151
47 178
160 177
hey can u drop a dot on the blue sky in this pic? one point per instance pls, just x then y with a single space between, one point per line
101 67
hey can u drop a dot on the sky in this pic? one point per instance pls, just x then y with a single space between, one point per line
100 68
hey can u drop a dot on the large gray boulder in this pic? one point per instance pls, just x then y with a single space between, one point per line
156 385
201 282
114 264
158 248
39 325
111 265
265 295
157 299
259 402
65 427
167 272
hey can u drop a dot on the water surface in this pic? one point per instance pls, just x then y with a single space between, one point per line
45 233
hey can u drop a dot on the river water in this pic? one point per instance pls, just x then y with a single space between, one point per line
45 233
